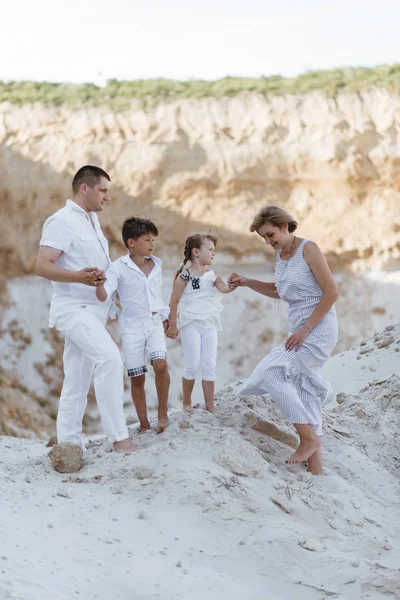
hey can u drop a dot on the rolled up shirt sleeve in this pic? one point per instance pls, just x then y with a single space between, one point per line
164 312
56 234
111 284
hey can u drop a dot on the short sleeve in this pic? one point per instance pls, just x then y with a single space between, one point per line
56 234
213 276
111 283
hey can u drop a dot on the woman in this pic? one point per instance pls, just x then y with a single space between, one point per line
291 373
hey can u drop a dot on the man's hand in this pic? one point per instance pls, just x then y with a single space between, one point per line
91 276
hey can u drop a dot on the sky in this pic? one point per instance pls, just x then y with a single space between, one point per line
96 40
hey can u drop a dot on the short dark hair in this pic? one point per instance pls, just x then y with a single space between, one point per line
90 175
134 227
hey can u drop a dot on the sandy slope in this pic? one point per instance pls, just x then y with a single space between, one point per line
209 510
251 327
375 358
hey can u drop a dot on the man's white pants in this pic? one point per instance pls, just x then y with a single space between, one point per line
89 348
199 351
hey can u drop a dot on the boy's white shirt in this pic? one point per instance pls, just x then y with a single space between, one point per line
140 295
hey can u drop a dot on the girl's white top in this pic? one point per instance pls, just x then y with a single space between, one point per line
200 303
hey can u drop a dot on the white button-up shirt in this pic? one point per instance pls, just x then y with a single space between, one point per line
140 296
82 242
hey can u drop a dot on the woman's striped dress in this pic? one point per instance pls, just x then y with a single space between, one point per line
293 379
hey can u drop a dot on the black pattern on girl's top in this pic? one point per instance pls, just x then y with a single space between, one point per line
195 280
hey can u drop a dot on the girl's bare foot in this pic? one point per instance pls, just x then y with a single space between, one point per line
162 425
124 446
315 463
306 449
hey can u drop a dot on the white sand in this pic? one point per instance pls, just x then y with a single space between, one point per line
209 510
376 358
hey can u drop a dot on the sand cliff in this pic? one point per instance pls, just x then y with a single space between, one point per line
190 164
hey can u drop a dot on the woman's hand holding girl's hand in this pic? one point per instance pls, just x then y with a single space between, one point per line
235 280
295 340
172 332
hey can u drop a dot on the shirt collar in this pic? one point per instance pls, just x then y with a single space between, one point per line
127 260
75 206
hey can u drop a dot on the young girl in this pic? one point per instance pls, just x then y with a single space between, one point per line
195 290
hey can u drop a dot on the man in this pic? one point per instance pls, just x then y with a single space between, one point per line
74 254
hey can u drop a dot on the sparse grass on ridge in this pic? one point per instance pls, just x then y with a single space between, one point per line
118 94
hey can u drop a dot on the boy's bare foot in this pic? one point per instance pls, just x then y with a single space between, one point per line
124 446
162 425
306 449
144 427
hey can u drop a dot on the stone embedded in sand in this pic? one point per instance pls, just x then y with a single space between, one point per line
141 472
241 457
366 350
66 458
386 341
260 424
340 398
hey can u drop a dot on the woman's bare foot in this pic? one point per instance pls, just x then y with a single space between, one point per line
187 407
145 426
211 408
306 449
124 446
162 425
315 463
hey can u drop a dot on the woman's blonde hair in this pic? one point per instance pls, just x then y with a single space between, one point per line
274 215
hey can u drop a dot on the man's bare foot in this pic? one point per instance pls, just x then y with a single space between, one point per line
162 425
306 449
124 446
145 426
315 463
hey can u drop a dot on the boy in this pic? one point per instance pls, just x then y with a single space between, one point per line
137 278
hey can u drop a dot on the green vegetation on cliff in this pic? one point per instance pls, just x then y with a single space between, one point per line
118 94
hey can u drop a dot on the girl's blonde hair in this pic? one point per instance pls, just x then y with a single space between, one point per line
192 242
274 215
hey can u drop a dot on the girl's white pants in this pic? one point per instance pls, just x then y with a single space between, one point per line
89 349
199 351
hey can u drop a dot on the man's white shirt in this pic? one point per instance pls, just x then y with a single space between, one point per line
79 236
139 295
